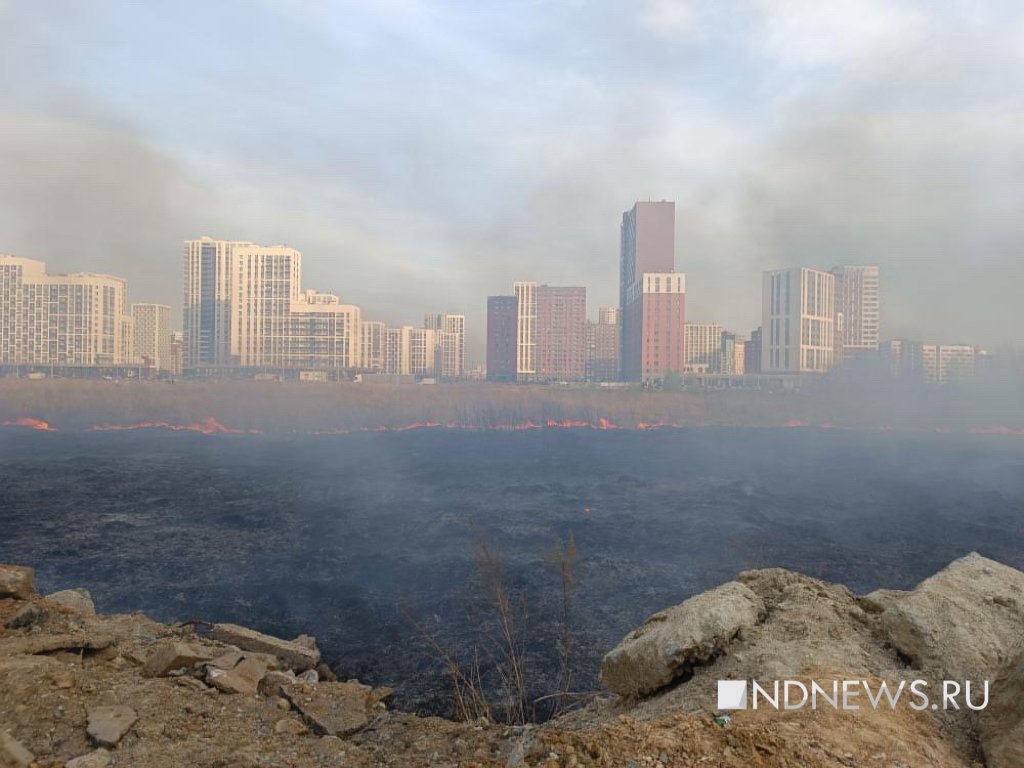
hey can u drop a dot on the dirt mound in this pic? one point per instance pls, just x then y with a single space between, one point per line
88 690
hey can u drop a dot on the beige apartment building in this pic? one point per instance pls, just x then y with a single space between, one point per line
76 319
702 346
152 334
244 306
798 321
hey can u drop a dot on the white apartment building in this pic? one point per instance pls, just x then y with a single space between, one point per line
526 330
857 309
451 340
701 345
152 336
397 348
244 305
73 319
372 333
798 321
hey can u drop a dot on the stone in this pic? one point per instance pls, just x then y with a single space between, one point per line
290 726
98 759
325 673
335 709
296 655
167 657
670 643
78 600
273 683
51 643
107 725
14 752
951 625
243 678
1001 724
28 615
16 582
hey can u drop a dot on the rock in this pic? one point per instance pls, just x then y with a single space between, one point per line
290 726
272 684
107 725
78 600
168 657
28 615
947 626
51 643
297 655
671 642
880 599
243 678
309 676
14 752
16 582
98 759
1001 724
325 673
335 709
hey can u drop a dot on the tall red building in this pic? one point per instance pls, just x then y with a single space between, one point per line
652 295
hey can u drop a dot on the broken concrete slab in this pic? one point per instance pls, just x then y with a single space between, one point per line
78 600
273 683
98 759
14 752
296 655
671 642
108 725
243 678
962 623
335 709
29 615
51 643
168 657
16 581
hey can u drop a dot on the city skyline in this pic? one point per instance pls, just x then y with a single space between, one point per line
491 142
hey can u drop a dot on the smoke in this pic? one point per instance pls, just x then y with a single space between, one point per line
423 157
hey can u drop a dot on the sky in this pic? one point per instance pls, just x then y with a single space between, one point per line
423 155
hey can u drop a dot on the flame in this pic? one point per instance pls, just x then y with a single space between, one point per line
29 423
208 426
795 424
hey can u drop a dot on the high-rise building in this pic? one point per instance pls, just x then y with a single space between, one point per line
397 346
177 350
752 352
372 339
423 352
920 362
244 305
77 319
652 337
857 311
798 318
526 330
561 333
502 324
703 343
451 341
152 333
603 346
731 358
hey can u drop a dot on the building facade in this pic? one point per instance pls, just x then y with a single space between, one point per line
857 311
798 321
371 333
647 248
244 306
561 333
603 346
526 330
731 358
152 336
75 319
451 342
703 344
502 325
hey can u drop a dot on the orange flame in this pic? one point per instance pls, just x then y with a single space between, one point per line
29 423
208 426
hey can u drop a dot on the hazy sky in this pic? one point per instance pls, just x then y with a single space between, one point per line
425 154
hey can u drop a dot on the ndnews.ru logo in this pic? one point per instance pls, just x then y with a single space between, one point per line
848 695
